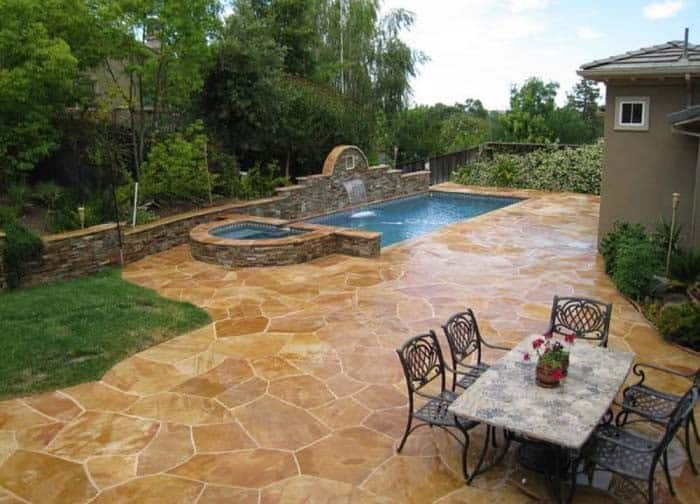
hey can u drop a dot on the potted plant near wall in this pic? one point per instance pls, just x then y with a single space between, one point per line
552 360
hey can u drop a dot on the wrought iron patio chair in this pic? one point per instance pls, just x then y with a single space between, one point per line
422 362
635 456
585 318
465 340
648 404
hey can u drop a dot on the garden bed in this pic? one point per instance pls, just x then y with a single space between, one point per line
666 296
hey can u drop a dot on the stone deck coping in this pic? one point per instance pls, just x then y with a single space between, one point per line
202 233
295 392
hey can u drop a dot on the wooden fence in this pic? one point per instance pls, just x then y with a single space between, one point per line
441 167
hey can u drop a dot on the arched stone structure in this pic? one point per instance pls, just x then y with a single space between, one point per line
344 158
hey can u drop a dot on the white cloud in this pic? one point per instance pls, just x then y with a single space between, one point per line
482 47
526 5
587 33
662 10
515 27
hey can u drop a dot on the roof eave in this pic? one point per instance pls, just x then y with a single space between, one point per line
603 73
684 117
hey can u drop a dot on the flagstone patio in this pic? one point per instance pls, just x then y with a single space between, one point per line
294 393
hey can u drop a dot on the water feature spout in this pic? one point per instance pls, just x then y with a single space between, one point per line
356 190
363 214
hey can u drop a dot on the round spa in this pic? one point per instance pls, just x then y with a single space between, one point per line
247 241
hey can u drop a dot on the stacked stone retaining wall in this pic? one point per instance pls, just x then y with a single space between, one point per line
83 252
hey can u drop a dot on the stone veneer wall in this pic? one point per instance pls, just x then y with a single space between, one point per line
80 253
316 241
291 252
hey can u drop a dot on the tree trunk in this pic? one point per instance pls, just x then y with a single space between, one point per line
286 165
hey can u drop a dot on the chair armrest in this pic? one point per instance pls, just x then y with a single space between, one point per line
467 372
495 347
432 397
639 372
625 408
617 442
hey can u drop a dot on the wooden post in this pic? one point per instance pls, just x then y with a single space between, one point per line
3 280
676 199
206 167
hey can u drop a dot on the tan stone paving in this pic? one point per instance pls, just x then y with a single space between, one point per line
294 393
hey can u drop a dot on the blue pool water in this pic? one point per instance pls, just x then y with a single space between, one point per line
253 231
413 216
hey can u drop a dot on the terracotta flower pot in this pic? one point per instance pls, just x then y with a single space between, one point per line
547 376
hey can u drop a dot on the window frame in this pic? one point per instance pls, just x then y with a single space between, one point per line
632 100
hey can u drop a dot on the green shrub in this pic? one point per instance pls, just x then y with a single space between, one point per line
621 232
261 182
549 169
227 170
681 324
175 170
48 195
258 182
63 220
685 266
21 246
67 218
144 216
19 194
505 171
8 215
662 235
636 263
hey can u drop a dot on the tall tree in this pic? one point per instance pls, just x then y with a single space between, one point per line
158 55
475 108
313 118
292 24
238 97
39 81
362 54
531 107
584 98
463 131
396 63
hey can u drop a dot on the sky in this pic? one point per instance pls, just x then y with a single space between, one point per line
479 48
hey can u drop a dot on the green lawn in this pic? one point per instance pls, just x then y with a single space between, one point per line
71 332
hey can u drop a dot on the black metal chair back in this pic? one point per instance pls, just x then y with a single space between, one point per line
422 362
585 318
463 337
679 417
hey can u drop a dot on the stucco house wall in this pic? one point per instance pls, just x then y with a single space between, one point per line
644 168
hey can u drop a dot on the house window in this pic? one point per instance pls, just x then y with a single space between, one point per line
632 113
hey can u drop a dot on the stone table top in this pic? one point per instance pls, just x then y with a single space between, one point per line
507 396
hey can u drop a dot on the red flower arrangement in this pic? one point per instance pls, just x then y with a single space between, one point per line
552 358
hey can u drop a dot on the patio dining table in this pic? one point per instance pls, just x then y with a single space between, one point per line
506 396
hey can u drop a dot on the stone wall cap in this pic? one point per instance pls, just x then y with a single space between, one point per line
314 176
202 233
199 213
296 187
415 173
356 233
100 228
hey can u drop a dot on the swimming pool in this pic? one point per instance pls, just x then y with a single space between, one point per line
413 216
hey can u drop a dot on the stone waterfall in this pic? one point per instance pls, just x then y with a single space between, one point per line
356 191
